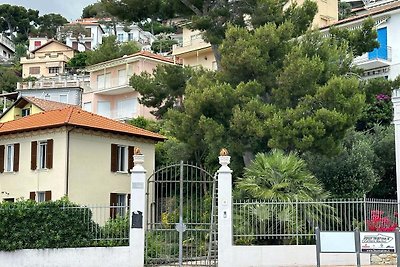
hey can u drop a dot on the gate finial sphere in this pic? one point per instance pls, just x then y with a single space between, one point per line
137 151
224 152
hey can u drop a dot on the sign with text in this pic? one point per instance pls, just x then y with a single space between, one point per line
377 242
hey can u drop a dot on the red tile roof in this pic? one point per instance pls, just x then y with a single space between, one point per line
49 42
138 54
74 116
46 105
369 12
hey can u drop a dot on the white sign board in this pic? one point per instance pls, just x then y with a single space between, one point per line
332 242
377 242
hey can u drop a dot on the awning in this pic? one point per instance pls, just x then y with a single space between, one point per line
53 64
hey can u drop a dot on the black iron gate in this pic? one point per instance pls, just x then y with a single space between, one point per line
181 217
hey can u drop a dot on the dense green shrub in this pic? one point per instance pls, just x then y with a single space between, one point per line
29 225
115 232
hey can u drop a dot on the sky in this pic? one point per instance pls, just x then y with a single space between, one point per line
70 9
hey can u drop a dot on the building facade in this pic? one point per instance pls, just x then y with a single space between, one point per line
64 89
194 51
385 60
26 106
7 48
50 155
89 41
110 94
48 60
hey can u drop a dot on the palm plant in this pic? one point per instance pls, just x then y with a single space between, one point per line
285 194
279 177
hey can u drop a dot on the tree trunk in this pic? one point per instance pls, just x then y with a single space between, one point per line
114 23
217 55
248 157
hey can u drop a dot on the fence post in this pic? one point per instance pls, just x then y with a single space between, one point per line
365 212
225 222
137 210
396 122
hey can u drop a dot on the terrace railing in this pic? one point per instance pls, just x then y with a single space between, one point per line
272 222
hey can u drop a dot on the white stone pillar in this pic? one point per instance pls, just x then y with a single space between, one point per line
396 122
225 243
137 210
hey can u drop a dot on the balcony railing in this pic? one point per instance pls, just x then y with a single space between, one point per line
189 45
56 57
120 115
59 82
109 84
378 54
7 42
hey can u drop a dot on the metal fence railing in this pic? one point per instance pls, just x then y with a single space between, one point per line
99 225
271 222
108 225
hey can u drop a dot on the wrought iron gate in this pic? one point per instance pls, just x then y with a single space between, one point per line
181 217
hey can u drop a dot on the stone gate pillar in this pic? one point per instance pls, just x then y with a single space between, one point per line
137 210
225 232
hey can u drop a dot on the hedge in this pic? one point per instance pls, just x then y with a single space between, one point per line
29 225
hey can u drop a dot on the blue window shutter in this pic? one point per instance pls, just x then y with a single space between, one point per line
380 52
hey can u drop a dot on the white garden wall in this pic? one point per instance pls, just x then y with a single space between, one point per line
263 256
68 257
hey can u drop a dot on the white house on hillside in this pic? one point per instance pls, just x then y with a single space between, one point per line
91 41
7 48
385 60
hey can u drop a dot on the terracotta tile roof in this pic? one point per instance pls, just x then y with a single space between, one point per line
152 55
138 54
369 12
74 116
46 105
49 42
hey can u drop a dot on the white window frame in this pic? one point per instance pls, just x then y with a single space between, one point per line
122 79
100 81
28 110
64 95
40 196
54 70
42 155
122 159
88 106
127 108
9 158
107 109
121 205
120 37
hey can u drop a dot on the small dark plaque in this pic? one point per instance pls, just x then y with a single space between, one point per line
137 219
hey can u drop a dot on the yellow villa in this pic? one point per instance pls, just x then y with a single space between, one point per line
48 60
25 106
70 152
195 52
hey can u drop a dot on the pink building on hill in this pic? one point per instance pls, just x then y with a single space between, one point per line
110 94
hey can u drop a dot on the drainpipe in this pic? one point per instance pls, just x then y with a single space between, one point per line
67 163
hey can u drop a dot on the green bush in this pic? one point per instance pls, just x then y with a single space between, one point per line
29 225
115 232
